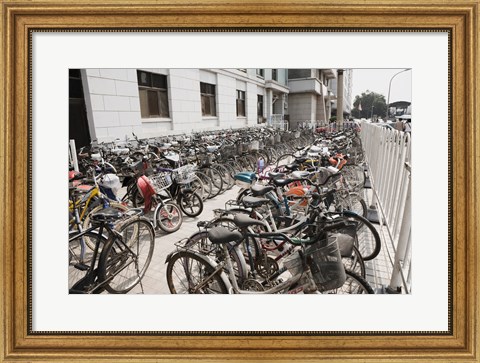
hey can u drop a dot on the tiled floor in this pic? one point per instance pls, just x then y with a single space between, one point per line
378 271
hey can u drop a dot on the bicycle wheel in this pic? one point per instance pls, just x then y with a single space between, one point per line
244 193
231 172
237 167
217 181
354 284
354 176
87 223
284 160
251 162
197 186
367 238
227 180
352 202
207 184
200 242
126 256
190 203
190 273
168 217
79 263
354 263
272 155
137 198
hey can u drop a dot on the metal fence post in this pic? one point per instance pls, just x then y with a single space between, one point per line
404 240
73 155
388 154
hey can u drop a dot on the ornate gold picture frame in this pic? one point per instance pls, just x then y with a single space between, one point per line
19 18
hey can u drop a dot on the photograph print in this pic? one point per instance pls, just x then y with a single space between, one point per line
239 181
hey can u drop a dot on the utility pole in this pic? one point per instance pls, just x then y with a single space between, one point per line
389 87
340 98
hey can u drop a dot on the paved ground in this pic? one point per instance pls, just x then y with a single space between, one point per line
379 270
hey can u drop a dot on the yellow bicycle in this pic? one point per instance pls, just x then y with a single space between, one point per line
93 201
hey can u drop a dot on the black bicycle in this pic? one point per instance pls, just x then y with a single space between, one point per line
123 251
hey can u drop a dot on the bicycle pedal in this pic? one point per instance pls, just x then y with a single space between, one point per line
81 266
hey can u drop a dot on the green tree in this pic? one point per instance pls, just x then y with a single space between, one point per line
368 104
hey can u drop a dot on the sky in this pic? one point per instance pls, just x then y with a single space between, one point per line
378 80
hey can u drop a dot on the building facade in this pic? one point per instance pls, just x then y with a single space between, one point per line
156 102
347 92
311 96
109 104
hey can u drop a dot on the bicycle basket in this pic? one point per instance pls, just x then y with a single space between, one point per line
184 174
326 264
322 174
204 159
293 263
160 181
346 239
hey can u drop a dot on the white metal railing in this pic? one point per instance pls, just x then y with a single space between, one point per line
72 155
388 155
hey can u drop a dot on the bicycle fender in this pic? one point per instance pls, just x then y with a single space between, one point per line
169 257
223 275
349 213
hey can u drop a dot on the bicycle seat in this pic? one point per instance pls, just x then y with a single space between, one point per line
301 159
281 181
223 235
291 166
242 221
300 174
107 215
259 190
252 202
274 175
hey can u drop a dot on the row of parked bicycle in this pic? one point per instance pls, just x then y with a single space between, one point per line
297 202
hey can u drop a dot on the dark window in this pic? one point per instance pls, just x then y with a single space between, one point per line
207 92
261 72
275 74
75 84
260 105
240 103
74 73
153 91
299 73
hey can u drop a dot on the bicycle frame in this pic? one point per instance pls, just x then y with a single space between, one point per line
308 285
91 194
91 275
